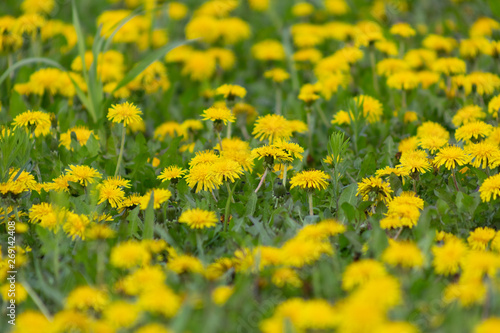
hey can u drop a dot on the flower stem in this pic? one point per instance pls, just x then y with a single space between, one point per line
310 204
229 192
37 300
278 100
100 265
229 128
284 174
261 181
122 145
374 73
454 179
199 245
220 140
228 206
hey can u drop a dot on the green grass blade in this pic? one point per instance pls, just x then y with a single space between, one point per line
28 61
149 219
148 60
80 39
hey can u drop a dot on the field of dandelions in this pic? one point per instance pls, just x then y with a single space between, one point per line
250 166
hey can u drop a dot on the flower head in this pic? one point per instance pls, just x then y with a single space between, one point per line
198 218
450 157
375 187
272 127
125 112
219 114
490 188
172 172
39 120
83 174
311 179
473 130
230 91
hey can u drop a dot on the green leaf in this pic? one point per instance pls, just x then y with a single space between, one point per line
133 219
80 39
149 219
349 211
349 195
148 60
251 204
28 61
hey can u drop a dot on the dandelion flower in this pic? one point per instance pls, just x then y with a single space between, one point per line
87 297
402 29
468 114
483 154
160 196
405 254
489 325
202 178
219 114
473 130
480 238
450 157
198 218
83 174
226 169
374 187
221 294
490 188
129 254
447 257
311 179
360 272
230 91
113 194
172 172
100 231
415 161
272 127
125 113
277 75
40 121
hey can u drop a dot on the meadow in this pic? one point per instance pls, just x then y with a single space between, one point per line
250 166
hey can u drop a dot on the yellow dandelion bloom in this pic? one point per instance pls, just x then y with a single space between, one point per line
490 188
160 196
219 114
172 172
272 127
83 174
467 292
374 188
75 225
360 272
226 169
82 134
311 179
221 294
480 238
286 276
489 325
121 314
447 257
372 108
38 121
483 154
230 91
415 161
403 253
100 231
450 157
113 194
202 178
197 218
129 254
87 297
494 106
402 29
125 113
268 50
277 75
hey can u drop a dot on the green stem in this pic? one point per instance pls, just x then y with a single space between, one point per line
100 265
278 99
199 245
228 207
219 139
261 181
454 179
55 258
228 135
37 300
309 129
403 100
122 145
284 174
322 116
229 192
311 212
374 72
